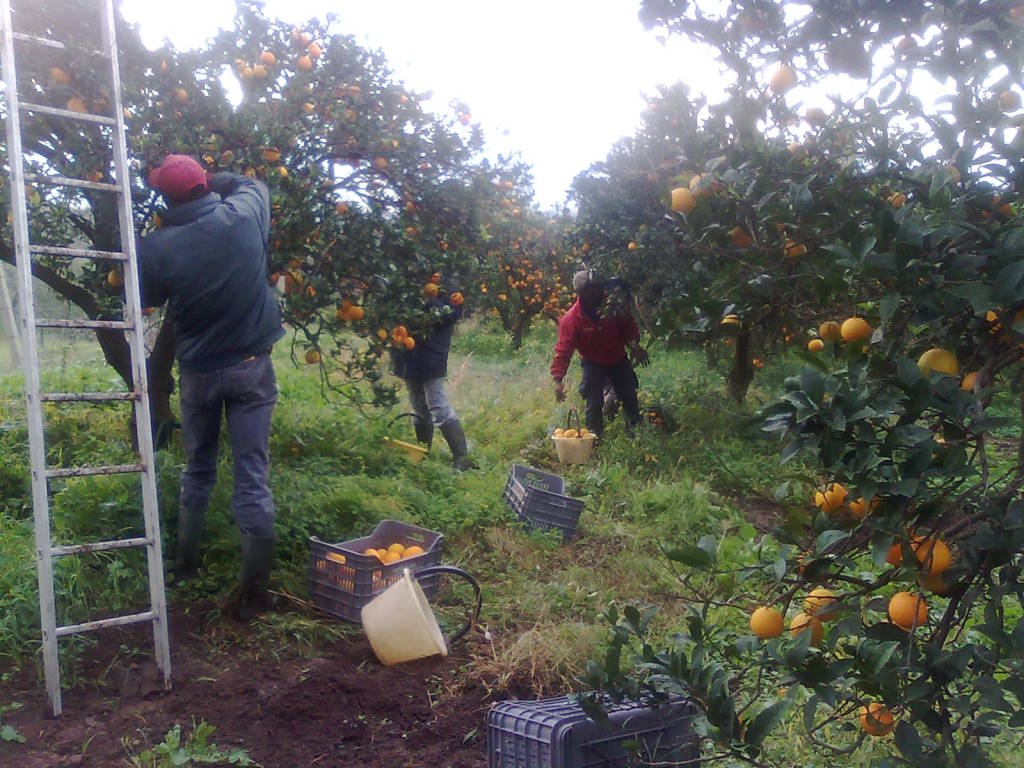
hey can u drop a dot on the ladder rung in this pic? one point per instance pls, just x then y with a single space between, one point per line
113 621
100 546
48 43
64 181
77 253
87 397
110 325
114 469
67 113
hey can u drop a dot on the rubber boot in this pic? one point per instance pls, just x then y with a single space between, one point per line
424 431
456 438
257 562
190 531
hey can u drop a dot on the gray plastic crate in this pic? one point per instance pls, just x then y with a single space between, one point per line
527 493
556 733
342 589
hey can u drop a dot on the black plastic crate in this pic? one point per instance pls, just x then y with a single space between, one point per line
343 588
526 493
556 733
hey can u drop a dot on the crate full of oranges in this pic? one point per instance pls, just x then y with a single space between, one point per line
346 575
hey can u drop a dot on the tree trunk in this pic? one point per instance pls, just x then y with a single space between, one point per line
9 321
742 372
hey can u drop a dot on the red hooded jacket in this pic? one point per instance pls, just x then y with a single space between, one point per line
598 341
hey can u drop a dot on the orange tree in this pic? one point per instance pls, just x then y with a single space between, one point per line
527 273
371 194
903 596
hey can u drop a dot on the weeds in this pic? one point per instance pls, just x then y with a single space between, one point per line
196 749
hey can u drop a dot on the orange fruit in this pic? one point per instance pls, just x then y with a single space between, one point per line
766 622
75 104
271 155
115 278
456 299
783 79
370 551
830 331
341 208
802 623
908 611
793 249
933 555
876 719
314 50
815 345
970 380
312 356
60 76
940 361
683 200
855 329
397 548
412 551
335 557
304 64
268 58
818 600
831 499
570 433
390 557
355 314
380 163
1009 101
181 96
739 237
431 289
859 508
399 332
409 343
895 554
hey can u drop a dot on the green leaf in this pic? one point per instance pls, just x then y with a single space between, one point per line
828 538
978 294
887 307
766 721
1007 281
813 383
687 554
908 742
9 733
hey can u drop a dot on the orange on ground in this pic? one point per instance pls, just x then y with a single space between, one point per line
876 719
907 610
855 329
766 622
802 623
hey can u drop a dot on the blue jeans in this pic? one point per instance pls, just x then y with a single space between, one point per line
246 393
430 401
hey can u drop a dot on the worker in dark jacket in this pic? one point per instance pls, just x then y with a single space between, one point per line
208 263
423 369
601 341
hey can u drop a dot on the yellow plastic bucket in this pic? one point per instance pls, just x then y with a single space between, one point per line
400 624
574 450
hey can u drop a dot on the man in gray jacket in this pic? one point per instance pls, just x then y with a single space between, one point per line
208 263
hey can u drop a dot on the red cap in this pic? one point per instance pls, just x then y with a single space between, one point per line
178 177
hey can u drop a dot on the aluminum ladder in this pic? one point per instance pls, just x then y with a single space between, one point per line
132 326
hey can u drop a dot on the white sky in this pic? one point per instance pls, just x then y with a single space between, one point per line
559 81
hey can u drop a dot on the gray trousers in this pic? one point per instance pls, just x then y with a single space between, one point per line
430 401
246 394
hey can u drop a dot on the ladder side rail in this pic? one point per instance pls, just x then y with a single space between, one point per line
33 407
133 306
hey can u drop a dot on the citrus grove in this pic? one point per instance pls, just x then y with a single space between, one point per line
829 206
371 194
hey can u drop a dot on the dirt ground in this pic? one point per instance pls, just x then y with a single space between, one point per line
338 708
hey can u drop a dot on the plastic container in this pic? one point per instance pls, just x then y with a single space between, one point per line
400 624
574 450
538 508
342 579
556 733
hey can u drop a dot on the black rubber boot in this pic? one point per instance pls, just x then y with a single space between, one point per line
424 431
190 532
257 562
456 438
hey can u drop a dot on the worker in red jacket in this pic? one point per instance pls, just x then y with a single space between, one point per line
601 341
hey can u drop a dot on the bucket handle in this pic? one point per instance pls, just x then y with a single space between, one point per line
402 416
430 570
568 419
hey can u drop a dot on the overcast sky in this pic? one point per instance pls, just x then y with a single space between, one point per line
559 81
